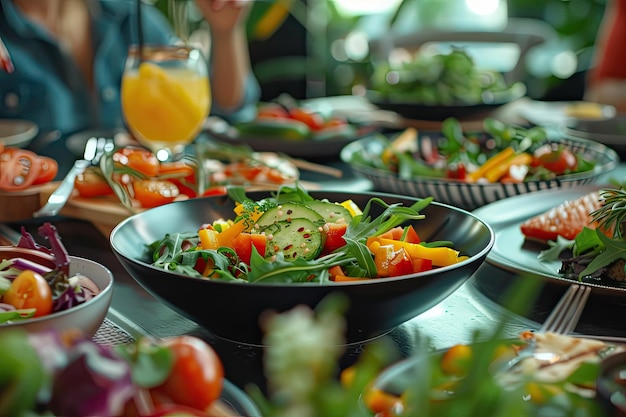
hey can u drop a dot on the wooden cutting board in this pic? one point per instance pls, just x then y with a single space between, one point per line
104 212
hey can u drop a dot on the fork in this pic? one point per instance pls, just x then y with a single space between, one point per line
564 318
94 149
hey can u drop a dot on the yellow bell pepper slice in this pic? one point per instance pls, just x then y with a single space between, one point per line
226 237
208 239
440 256
494 161
498 171
352 207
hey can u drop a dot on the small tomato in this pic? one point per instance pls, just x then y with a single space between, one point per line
30 290
139 159
153 193
558 160
197 375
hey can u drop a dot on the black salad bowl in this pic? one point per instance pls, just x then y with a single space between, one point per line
232 310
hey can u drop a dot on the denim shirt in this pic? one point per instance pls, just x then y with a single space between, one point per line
47 86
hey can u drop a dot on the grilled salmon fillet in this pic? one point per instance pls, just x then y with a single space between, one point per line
566 220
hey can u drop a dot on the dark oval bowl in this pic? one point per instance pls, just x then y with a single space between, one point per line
471 196
86 317
232 310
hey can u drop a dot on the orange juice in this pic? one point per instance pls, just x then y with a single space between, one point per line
165 107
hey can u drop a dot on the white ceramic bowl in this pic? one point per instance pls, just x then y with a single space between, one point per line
86 317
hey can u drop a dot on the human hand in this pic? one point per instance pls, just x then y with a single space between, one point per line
223 16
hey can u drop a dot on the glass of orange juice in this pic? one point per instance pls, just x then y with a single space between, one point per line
166 96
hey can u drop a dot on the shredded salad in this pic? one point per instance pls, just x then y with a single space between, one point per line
30 289
293 237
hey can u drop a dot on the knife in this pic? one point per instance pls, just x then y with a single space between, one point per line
59 197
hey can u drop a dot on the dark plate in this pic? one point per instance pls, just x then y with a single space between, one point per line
439 112
232 310
511 251
470 196
611 132
309 148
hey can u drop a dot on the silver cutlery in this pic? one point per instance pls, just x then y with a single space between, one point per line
562 320
94 149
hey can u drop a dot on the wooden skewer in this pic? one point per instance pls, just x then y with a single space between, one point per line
313 167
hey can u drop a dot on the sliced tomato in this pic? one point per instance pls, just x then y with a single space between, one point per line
197 376
49 168
182 174
91 183
176 169
243 242
140 159
410 235
313 120
395 233
153 193
30 290
421 264
215 190
559 160
400 264
272 111
19 168
334 236
243 170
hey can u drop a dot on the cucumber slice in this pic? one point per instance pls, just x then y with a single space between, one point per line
296 238
331 212
289 211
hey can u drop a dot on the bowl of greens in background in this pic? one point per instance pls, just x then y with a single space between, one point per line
440 85
232 309
446 164
85 315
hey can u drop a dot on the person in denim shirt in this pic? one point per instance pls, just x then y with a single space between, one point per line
69 57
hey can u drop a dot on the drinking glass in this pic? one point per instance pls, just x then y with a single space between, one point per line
165 96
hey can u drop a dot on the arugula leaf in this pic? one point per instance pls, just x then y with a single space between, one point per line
587 241
168 254
614 250
556 248
279 270
363 257
363 226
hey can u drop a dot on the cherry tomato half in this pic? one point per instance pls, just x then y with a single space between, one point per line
91 183
182 174
558 160
19 168
30 290
272 111
311 119
197 375
139 159
152 193
48 169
